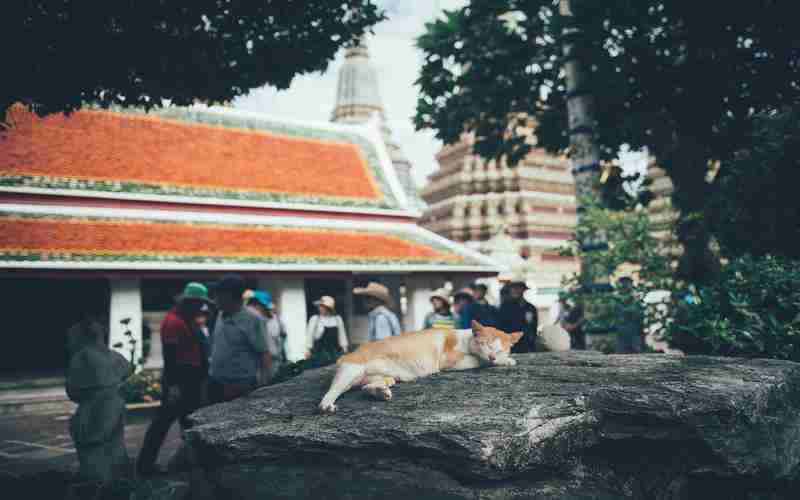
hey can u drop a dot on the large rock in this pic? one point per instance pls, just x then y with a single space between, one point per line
558 425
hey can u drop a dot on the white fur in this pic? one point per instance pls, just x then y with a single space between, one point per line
380 373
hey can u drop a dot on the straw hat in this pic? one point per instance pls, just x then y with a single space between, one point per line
504 277
377 291
327 301
441 293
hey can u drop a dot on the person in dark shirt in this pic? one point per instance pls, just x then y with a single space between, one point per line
572 321
468 310
184 374
629 319
518 315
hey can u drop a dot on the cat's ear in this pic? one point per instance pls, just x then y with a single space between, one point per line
476 327
515 337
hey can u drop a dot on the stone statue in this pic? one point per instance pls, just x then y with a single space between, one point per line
94 376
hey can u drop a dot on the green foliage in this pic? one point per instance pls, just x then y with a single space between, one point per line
631 250
682 78
752 311
142 386
659 70
138 53
755 208
291 370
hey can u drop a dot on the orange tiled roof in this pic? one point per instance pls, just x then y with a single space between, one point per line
185 152
57 238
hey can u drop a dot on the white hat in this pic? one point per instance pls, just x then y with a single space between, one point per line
327 301
375 290
442 293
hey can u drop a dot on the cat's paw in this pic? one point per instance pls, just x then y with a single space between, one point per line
385 393
327 408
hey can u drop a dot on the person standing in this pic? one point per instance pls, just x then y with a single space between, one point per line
261 303
185 371
382 322
326 337
572 320
463 302
481 292
441 318
469 309
238 344
518 315
629 320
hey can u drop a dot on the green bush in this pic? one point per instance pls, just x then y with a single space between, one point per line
142 387
752 311
291 370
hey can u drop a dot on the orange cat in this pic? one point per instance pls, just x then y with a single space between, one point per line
377 366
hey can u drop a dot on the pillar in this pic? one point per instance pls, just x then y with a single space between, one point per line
126 303
418 295
290 296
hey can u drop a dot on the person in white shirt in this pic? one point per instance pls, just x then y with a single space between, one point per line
326 337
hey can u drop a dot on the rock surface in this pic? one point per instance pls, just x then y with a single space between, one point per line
557 425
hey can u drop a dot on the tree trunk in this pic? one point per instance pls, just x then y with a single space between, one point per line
584 150
697 264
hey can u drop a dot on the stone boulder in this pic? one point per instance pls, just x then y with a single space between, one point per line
557 425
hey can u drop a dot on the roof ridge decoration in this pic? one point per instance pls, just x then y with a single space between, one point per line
371 185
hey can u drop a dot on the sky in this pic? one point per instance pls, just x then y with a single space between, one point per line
397 61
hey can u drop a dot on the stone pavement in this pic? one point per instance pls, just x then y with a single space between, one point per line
37 443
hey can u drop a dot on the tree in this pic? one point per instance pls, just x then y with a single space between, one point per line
683 78
584 150
755 208
61 54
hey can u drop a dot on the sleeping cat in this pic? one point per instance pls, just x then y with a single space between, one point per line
377 366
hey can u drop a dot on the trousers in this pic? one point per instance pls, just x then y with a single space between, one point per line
190 386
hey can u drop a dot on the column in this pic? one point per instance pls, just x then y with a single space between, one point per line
418 294
290 296
126 304
348 312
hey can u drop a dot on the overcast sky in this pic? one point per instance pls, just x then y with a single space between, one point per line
397 62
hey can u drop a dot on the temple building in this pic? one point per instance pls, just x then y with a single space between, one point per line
358 101
112 212
519 216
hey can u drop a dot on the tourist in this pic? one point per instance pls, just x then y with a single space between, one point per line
463 301
261 303
629 319
94 376
518 315
382 322
441 318
238 344
184 373
481 292
276 333
326 337
469 310
572 320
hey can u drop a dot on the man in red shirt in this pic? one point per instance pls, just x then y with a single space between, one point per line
184 373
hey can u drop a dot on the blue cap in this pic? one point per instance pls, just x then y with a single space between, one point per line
265 298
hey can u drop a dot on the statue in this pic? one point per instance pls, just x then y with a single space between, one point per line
94 377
